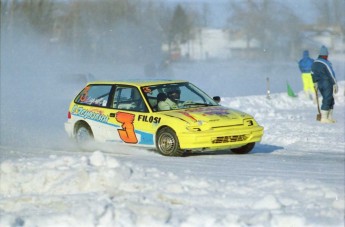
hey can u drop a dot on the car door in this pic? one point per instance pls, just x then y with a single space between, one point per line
126 108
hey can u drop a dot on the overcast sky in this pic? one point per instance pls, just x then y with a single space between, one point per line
219 9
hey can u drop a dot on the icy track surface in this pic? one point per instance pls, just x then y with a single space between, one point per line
294 177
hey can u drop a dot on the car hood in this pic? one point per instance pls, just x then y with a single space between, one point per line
215 115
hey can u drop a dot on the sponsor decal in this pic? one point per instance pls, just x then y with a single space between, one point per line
211 111
229 139
95 115
187 115
127 130
150 119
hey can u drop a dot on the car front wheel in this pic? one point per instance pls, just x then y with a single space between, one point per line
244 149
167 143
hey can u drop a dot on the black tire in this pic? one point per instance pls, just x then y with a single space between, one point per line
167 143
245 149
83 135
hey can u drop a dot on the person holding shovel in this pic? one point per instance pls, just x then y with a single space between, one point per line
324 80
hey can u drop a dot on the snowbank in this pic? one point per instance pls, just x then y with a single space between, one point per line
60 176
98 190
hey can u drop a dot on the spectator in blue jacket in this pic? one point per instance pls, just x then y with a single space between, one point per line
306 62
325 81
305 67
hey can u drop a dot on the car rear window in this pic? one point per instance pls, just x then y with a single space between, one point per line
94 95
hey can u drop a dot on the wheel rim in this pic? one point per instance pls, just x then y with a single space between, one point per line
166 143
83 135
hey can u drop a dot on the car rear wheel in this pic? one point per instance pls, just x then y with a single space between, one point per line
245 149
83 134
167 143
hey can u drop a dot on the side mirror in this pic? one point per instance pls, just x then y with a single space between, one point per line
216 98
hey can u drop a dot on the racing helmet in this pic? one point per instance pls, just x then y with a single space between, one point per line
173 92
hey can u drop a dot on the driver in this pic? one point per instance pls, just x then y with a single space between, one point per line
171 102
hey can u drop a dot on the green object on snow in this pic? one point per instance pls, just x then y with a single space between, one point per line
290 92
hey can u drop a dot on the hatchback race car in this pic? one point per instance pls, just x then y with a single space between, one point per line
173 116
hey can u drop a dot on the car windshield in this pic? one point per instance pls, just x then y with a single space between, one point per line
176 96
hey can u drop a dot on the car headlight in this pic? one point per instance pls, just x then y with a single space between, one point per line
197 126
193 129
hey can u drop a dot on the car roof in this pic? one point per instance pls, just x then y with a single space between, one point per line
139 82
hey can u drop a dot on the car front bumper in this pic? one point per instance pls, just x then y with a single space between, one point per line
220 139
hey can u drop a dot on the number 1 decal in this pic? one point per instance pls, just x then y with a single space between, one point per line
127 133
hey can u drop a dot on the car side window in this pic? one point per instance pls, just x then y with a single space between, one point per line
128 98
94 95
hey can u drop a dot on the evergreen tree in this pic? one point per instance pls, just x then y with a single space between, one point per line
180 26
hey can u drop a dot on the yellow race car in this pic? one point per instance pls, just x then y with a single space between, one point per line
173 116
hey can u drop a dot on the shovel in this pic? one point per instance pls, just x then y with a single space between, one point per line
318 116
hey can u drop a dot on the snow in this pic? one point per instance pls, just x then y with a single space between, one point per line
293 177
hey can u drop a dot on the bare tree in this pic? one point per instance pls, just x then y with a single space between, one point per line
39 14
205 14
132 30
331 14
273 25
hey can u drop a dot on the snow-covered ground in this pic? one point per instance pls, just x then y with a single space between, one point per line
294 177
